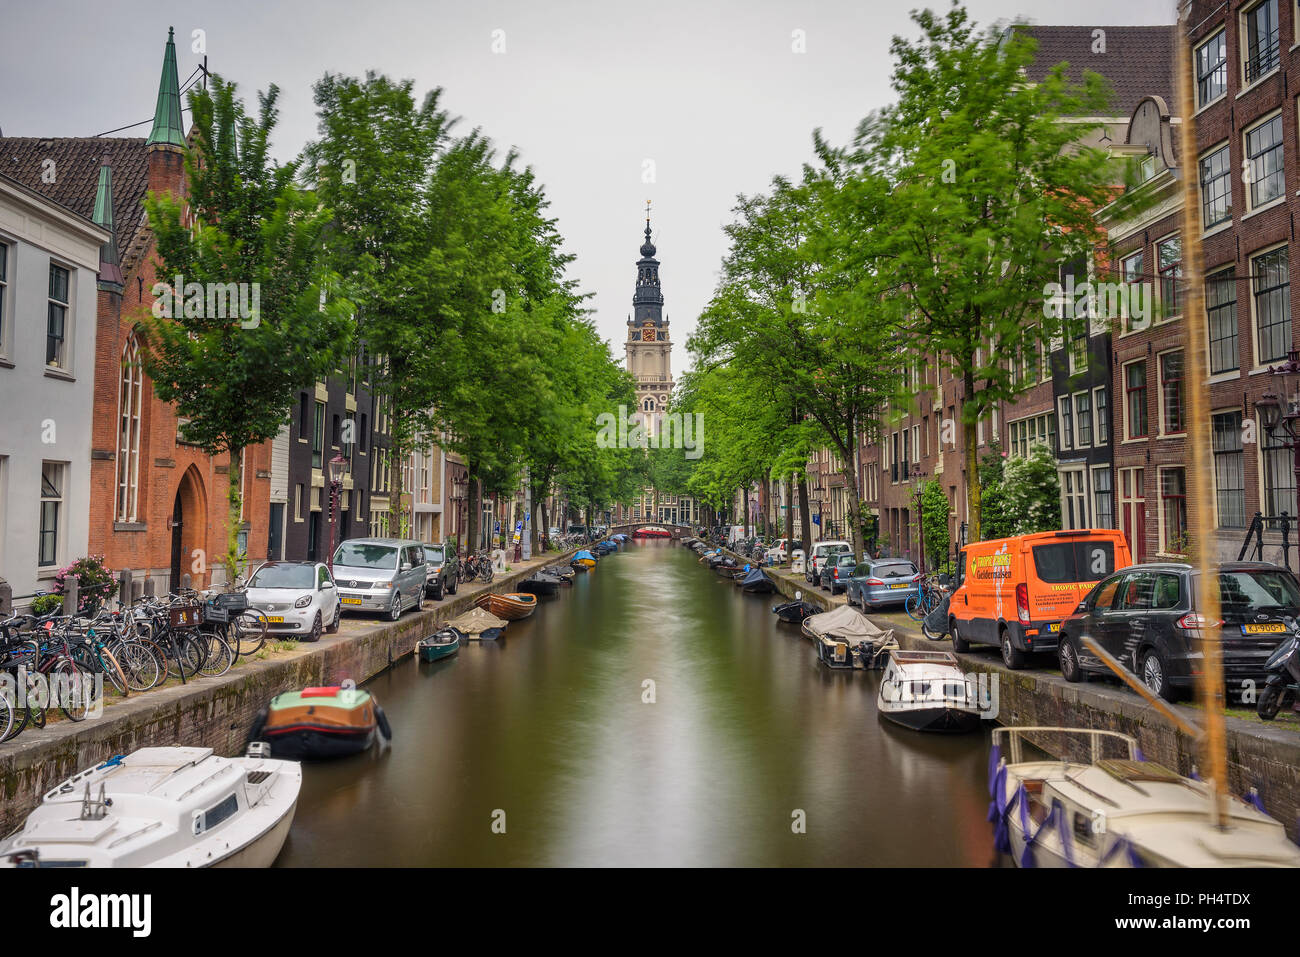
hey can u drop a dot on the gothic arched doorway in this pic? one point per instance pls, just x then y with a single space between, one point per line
188 523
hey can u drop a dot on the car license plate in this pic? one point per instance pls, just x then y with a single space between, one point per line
1054 626
1273 628
275 619
904 585
351 601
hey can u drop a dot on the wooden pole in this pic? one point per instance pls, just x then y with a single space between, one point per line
1199 475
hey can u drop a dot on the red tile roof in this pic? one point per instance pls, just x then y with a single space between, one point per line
1138 61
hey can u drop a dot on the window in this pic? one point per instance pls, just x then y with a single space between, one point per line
297 502
1229 469
1216 188
1267 180
1132 267
51 504
1272 304
1083 416
129 398
1173 510
1279 476
1103 508
1169 263
1101 411
318 436
4 286
1078 354
1067 422
1261 48
304 423
1026 433
1135 400
1171 393
56 330
1211 69
1075 494
1221 307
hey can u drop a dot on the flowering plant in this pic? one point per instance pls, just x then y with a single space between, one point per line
96 583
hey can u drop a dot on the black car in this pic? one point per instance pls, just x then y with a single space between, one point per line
837 571
442 567
1144 615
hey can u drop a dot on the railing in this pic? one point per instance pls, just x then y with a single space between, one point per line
1280 523
1265 60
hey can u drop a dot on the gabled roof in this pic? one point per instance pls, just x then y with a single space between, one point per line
1138 62
75 175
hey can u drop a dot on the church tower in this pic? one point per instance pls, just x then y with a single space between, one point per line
649 351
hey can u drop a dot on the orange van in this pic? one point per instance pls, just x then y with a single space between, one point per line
1015 592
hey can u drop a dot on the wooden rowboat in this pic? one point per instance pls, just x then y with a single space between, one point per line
509 605
442 644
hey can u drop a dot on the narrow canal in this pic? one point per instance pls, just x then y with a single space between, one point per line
548 732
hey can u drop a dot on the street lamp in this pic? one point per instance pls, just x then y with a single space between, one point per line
920 514
337 466
1283 423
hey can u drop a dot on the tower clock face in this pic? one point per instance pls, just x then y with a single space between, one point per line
648 334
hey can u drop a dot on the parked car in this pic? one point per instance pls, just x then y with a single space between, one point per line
441 570
778 552
820 552
1015 592
380 574
882 581
836 571
1146 617
297 598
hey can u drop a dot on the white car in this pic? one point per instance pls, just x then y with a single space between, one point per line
779 552
820 552
298 598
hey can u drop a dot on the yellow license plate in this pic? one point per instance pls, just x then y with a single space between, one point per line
351 601
1276 628
275 619
1054 626
904 585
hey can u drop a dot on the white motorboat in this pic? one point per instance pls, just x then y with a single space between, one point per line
162 807
1114 810
927 691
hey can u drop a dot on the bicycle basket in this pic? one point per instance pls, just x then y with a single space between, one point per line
183 616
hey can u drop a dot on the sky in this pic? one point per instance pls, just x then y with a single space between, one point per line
612 103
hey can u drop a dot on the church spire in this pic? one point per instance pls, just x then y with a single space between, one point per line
648 301
167 132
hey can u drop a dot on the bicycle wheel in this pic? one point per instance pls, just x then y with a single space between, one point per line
217 656
112 669
75 687
8 709
912 607
138 664
247 632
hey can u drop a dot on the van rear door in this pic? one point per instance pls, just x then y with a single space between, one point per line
1065 568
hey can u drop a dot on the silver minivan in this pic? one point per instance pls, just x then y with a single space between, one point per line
380 574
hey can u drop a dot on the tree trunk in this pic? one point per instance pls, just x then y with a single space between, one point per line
973 490
233 503
805 514
396 515
475 514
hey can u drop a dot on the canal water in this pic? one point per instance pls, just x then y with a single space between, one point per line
554 736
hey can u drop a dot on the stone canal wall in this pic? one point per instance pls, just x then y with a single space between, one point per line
218 713
1264 757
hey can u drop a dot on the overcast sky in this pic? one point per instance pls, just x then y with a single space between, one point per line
711 93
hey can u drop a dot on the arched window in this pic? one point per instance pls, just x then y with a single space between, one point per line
649 405
129 398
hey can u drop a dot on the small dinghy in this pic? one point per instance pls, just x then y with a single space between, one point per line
846 638
620 537
583 560
927 691
540 583
321 723
511 605
564 573
162 807
795 611
439 645
479 625
757 583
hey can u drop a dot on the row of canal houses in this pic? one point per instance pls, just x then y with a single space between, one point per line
91 461
1111 404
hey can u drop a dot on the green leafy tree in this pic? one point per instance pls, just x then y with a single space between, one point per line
233 378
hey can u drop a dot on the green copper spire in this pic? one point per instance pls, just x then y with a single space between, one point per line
110 270
167 130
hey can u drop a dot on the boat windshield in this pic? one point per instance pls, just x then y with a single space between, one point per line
283 575
366 555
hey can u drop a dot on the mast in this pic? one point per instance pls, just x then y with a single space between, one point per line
1214 748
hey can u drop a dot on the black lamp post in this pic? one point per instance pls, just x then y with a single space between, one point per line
1280 415
919 486
337 466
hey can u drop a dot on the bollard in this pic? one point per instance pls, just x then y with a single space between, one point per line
185 581
124 588
149 587
71 595
6 598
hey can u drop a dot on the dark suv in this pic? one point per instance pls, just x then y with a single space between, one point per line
442 568
837 571
1144 616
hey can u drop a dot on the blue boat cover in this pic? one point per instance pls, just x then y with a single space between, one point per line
584 554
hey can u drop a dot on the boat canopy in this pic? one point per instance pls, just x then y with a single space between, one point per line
755 576
476 621
584 554
845 623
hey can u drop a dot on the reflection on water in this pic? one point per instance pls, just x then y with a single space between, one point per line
548 732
